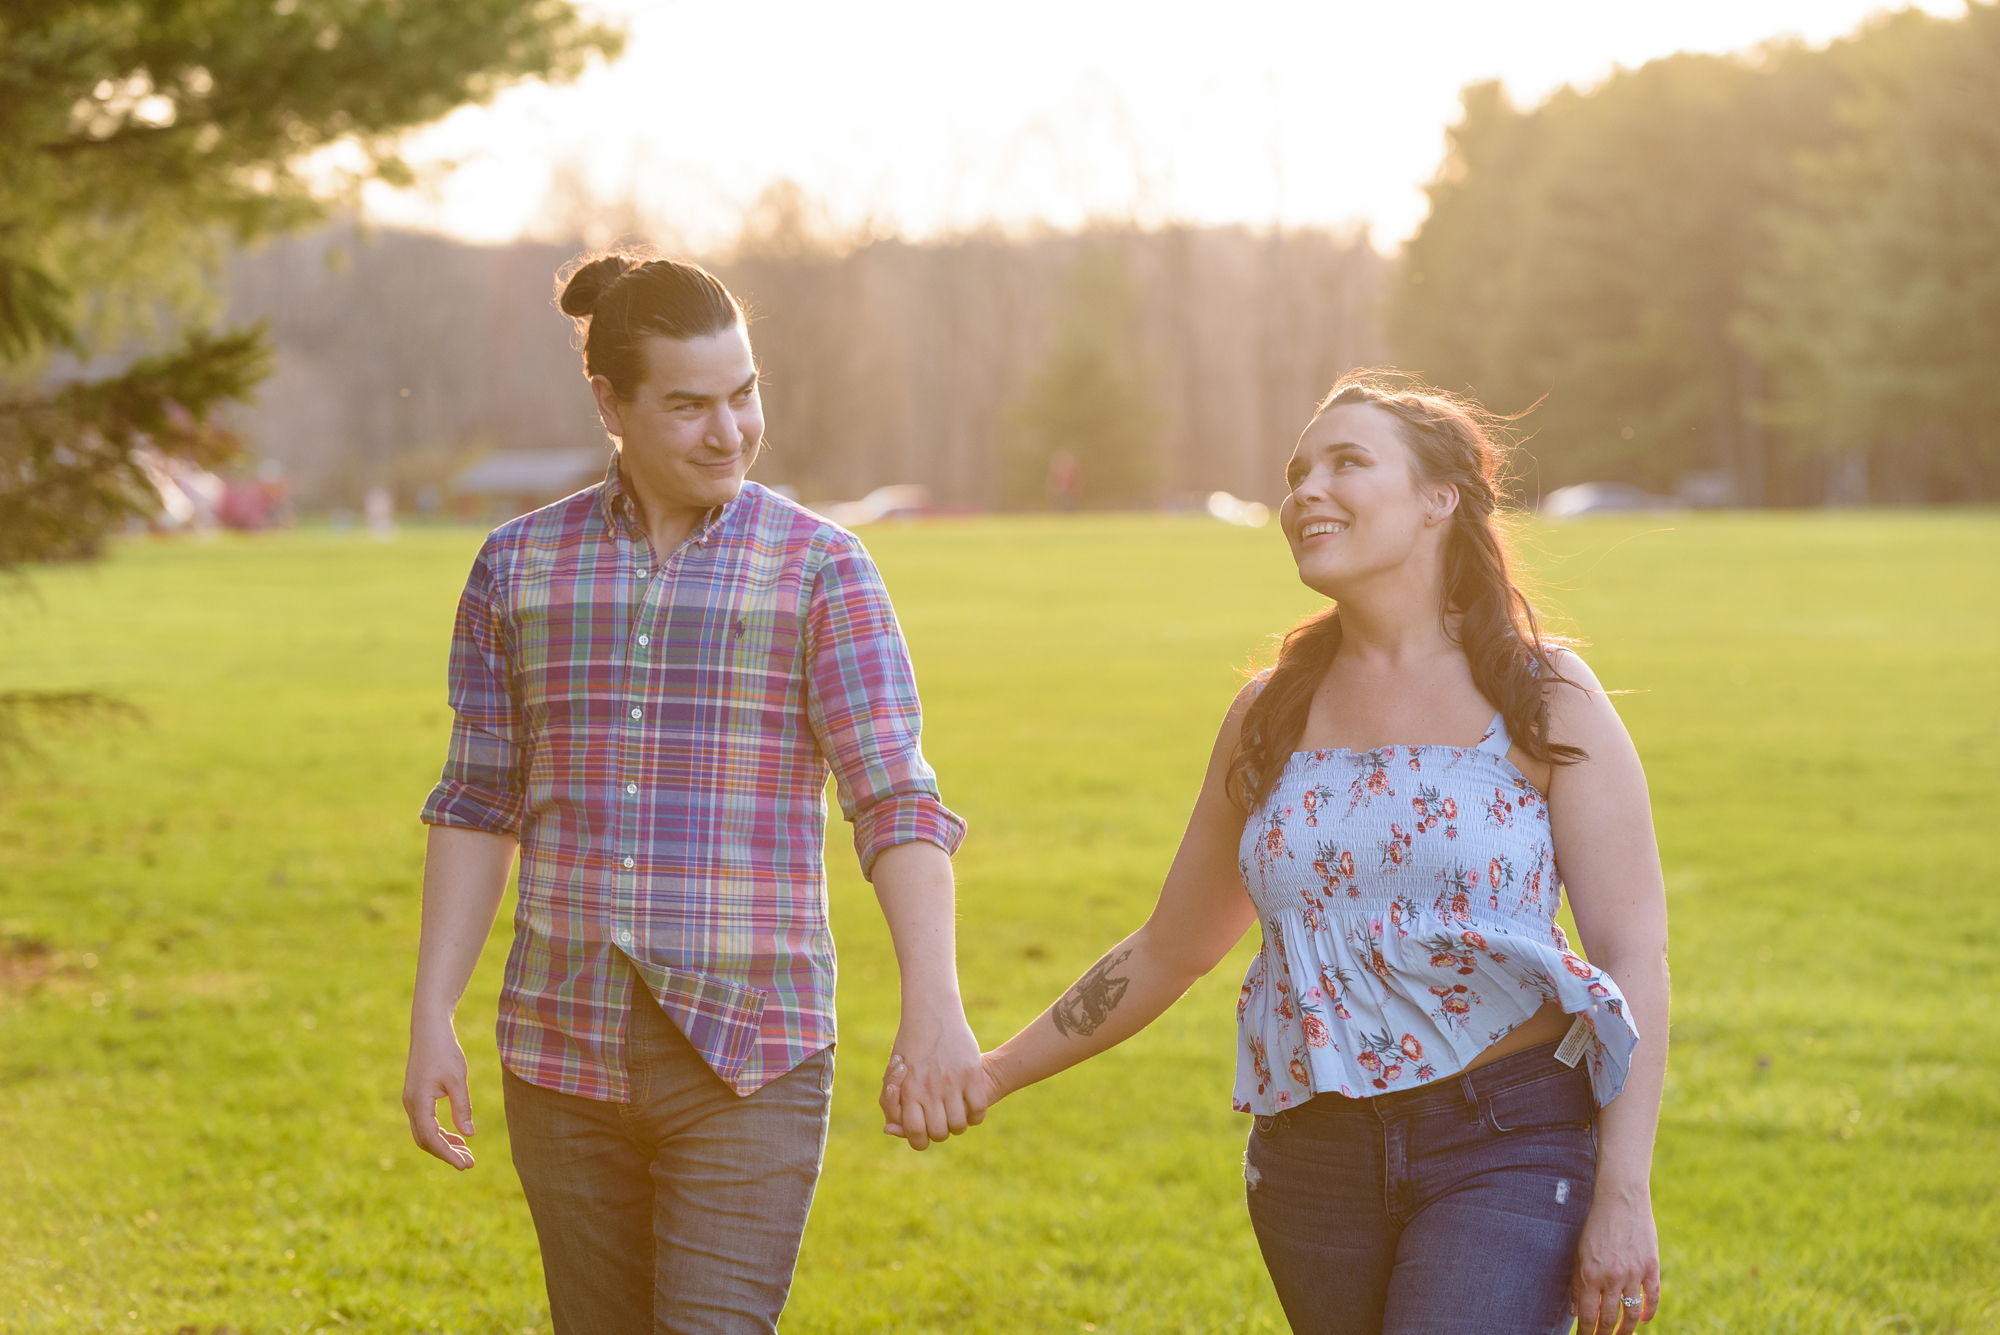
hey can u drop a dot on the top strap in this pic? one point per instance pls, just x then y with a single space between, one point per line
1496 739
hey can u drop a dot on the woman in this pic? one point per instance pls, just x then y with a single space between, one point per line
1454 1112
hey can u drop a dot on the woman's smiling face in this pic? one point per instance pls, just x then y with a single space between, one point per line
1356 505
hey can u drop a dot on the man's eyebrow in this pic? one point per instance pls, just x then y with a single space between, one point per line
690 396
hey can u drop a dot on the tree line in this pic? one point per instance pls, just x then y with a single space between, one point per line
1762 279
1771 278
1165 363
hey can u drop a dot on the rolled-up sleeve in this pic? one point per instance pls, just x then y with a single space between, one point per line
482 786
861 696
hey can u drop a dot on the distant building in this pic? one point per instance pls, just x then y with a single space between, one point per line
513 482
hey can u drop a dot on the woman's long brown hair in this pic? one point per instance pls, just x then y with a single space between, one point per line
1451 439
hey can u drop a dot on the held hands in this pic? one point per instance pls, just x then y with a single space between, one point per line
1617 1258
437 1071
936 1085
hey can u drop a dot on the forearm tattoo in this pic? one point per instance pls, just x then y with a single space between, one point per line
1089 1003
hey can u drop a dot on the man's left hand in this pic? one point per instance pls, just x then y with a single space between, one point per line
935 1086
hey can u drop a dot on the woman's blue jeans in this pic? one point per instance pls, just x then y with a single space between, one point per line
1449 1210
681 1210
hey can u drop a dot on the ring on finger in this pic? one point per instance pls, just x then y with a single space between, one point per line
1629 1303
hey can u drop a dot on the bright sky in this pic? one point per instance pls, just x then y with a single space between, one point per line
920 117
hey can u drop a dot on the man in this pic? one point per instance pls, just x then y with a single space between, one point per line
650 681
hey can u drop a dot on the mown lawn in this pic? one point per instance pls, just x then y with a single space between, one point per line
208 920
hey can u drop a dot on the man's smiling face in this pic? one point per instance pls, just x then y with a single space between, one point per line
690 432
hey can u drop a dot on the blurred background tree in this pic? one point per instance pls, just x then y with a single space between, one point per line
1595 250
1765 279
138 142
1088 425
818 341
1880 317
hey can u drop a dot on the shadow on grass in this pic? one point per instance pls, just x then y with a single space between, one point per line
24 714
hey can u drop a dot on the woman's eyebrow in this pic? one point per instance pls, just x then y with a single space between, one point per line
1335 447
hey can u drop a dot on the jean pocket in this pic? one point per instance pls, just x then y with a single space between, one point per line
1555 1104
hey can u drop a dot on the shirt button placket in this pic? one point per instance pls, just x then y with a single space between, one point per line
625 902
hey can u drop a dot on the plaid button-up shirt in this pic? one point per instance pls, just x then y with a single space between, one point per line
657 733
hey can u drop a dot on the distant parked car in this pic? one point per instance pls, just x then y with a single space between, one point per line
1244 514
1594 498
905 501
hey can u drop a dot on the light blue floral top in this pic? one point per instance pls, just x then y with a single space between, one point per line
1408 897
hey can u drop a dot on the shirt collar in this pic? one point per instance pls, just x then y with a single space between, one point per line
621 511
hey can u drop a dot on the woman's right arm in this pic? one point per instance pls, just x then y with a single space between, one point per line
1203 910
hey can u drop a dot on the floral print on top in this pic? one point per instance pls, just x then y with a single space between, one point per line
1408 897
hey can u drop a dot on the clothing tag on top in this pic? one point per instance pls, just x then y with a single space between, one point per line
1571 1051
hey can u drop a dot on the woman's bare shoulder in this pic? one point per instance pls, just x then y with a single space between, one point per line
1580 709
1572 673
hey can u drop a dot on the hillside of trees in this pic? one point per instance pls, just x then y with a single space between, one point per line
1774 277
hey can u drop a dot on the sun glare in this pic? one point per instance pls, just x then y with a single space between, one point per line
921 119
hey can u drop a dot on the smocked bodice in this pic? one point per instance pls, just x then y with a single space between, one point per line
1408 898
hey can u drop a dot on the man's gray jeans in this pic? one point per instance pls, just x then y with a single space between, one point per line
678 1212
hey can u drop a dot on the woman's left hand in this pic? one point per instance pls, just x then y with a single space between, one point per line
1617 1258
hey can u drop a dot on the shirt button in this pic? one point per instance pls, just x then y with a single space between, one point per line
631 787
624 938
638 712
640 572
645 640
629 861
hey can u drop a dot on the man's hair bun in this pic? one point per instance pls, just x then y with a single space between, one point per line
587 284
656 295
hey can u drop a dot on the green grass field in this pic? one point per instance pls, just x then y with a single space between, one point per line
208 924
